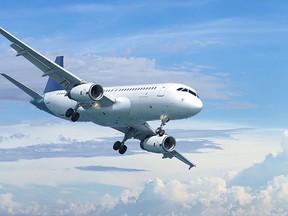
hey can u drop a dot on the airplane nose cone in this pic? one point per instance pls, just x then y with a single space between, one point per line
198 105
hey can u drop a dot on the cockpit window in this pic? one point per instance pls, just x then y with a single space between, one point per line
187 90
191 92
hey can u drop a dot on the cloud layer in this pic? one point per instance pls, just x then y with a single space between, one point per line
126 70
202 196
259 174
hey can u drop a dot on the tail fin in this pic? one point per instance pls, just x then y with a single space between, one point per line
52 85
24 88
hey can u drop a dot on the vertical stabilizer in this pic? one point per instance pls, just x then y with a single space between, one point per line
52 85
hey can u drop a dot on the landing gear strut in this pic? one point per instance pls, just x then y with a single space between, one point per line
120 146
73 114
164 120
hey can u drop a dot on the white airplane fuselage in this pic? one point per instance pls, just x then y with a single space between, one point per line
137 103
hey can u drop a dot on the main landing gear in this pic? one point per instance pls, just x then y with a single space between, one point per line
164 120
120 146
73 114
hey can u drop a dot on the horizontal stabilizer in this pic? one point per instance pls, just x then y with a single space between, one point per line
24 88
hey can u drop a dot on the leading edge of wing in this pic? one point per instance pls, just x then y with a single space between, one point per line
66 79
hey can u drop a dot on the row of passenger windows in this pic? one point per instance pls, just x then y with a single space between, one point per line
130 89
187 90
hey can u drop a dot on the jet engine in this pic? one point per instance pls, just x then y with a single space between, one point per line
88 92
159 144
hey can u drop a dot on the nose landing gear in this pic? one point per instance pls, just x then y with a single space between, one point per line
164 120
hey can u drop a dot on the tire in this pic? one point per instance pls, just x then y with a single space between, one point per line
117 145
123 149
158 130
69 113
75 116
161 133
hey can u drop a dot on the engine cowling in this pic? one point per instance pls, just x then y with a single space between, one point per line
88 92
157 144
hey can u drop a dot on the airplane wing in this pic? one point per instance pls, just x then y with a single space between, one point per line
66 79
143 131
62 76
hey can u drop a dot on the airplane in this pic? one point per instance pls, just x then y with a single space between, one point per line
124 108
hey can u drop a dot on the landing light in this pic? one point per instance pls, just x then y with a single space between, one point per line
96 105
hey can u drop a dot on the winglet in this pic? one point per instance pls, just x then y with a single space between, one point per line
24 88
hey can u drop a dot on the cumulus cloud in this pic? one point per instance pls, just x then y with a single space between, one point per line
9 207
205 196
202 196
259 174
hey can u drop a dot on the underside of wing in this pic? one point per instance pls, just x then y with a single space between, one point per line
152 142
137 131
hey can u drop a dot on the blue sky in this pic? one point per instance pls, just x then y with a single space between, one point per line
232 52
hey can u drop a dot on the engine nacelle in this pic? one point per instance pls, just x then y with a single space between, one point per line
157 144
88 92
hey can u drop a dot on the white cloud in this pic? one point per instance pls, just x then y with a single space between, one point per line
202 196
113 71
260 173
207 196
142 70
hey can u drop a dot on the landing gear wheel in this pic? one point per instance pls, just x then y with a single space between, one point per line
160 131
123 149
69 113
75 116
164 120
117 145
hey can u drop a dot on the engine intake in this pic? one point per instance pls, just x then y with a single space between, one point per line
157 144
88 92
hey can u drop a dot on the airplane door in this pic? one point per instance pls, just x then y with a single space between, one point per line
162 91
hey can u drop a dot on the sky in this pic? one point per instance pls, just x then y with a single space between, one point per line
233 53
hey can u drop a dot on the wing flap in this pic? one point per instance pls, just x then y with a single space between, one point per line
66 79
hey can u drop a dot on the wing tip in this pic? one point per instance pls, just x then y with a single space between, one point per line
4 75
191 166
